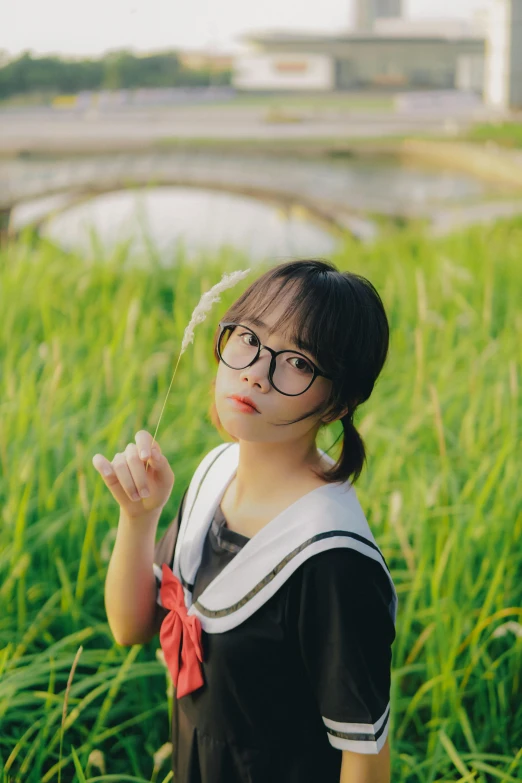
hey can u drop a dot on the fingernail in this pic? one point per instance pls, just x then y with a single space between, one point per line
144 454
144 493
106 471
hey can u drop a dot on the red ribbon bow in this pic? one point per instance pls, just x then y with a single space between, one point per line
180 633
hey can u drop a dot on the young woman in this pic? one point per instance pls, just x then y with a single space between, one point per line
275 606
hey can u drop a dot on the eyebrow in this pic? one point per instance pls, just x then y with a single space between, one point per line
302 346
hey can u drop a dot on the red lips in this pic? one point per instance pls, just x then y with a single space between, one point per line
245 400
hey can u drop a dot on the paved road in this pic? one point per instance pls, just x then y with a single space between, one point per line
127 128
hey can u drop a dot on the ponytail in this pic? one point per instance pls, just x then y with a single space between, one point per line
353 454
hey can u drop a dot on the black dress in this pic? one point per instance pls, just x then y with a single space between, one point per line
303 678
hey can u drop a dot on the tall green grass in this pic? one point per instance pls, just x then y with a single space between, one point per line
86 357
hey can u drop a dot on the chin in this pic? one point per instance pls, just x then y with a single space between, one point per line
229 422
237 425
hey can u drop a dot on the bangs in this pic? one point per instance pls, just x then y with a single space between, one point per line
308 318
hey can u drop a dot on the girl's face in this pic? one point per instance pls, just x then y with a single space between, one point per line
274 408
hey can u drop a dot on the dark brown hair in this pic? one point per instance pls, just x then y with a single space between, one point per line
340 319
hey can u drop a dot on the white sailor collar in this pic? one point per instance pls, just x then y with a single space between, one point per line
326 517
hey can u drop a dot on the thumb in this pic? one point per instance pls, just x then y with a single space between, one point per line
154 461
159 464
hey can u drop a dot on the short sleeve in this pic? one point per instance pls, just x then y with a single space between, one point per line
345 631
165 546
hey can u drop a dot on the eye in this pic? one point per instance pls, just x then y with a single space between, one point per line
304 367
247 335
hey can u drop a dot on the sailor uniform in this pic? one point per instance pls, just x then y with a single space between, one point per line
280 650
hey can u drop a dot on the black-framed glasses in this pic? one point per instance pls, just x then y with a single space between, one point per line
291 373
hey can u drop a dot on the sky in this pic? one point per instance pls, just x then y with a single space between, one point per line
68 27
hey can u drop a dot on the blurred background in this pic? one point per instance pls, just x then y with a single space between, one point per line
278 130
146 148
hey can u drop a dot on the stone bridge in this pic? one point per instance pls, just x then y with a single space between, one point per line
325 189
334 194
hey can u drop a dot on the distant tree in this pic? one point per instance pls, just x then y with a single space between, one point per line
28 74
119 69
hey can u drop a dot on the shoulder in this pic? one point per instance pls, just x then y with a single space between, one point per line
344 579
346 565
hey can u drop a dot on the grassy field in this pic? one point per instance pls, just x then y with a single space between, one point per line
318 145
87 352
358 101
505 134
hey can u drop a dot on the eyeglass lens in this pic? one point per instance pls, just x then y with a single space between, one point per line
238 346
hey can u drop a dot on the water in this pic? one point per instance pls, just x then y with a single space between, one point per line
202 222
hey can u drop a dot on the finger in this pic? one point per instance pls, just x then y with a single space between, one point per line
108 473
154 461
144 441
137 470
102 465
122 470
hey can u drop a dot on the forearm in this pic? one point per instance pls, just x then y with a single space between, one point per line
366 768
130 585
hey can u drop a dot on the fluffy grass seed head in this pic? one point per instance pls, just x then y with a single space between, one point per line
198 316
206 302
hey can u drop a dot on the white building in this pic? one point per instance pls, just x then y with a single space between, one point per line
503 82
397 54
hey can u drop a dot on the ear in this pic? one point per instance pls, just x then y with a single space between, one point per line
342 413
339 416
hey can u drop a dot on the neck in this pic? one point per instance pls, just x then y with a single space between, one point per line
266 470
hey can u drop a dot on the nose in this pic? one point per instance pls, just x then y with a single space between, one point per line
255 371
